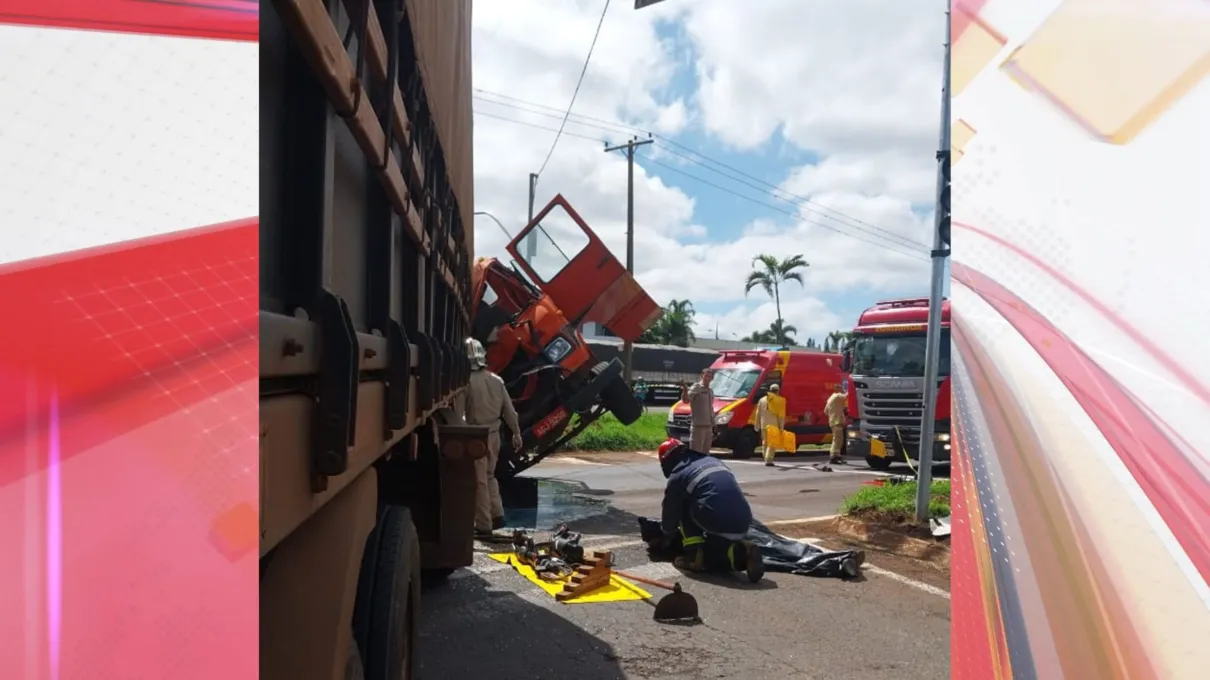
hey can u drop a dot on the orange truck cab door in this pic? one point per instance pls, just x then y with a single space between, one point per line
573 266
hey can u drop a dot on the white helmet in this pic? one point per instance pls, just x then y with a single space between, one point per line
476 353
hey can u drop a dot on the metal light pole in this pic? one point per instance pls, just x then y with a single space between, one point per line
498 223
531 241
924 478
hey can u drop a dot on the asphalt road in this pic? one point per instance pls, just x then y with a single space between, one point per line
489 622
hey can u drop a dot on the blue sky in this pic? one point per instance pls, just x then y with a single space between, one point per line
724 215
784 110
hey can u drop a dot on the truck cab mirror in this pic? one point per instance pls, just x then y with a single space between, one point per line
846 360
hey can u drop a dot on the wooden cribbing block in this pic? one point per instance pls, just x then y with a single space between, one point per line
594 573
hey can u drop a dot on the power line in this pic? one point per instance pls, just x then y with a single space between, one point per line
807 204
885 244
598 140
579 82
772 189
893 247
521 104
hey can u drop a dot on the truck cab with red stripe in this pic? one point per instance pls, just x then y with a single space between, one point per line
742 377
885 359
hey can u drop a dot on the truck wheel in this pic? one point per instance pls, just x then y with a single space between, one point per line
877 463
745 444
619 399
388 597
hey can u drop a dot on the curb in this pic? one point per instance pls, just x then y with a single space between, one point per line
883 540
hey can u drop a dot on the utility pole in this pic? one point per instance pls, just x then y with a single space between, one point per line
628 347
941 251
531 241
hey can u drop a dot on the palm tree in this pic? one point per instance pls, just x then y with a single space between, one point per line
778 333
769 273
675 327
836 340
678 323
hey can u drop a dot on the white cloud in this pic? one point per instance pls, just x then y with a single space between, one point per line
855 82
810 317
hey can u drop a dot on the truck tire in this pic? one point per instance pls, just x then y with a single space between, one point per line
619 399
388 597
745 444
876 463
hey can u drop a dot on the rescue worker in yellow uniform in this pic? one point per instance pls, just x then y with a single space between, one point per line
485 401
835 410
700 398
770 412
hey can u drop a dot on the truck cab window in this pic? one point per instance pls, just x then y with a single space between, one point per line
552 244
897 355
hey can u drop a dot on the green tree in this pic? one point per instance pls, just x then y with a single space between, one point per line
769 273
678 323
675 327
778 333
836 340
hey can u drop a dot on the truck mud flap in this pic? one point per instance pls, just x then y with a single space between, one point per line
399 361
339 368
426 370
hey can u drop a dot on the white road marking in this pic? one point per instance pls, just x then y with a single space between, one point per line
659 571
782 522
919 585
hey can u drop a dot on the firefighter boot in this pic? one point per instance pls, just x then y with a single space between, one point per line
691 560
755 565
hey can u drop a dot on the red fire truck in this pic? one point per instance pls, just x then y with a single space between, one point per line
742 377
885 360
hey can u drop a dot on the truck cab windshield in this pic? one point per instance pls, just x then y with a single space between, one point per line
897 355
734 383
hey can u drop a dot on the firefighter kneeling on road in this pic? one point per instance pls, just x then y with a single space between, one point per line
705 514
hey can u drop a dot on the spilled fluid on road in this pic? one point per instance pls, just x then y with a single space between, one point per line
543 504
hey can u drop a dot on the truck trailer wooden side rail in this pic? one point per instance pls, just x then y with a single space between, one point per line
367 474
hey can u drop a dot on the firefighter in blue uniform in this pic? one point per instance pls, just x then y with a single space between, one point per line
705 512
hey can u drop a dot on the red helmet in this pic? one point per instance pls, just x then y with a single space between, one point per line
667 447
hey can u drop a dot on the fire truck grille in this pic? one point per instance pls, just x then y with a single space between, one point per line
882 411
680 420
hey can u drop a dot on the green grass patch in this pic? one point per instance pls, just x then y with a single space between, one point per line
896 503
607 434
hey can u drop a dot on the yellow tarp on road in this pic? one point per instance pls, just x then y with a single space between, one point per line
618 589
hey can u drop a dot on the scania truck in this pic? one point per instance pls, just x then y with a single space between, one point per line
885 362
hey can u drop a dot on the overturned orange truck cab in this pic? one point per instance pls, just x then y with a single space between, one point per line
742 377
527 316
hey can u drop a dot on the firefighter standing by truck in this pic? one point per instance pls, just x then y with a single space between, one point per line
485 401
700 398
834 409
771 412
